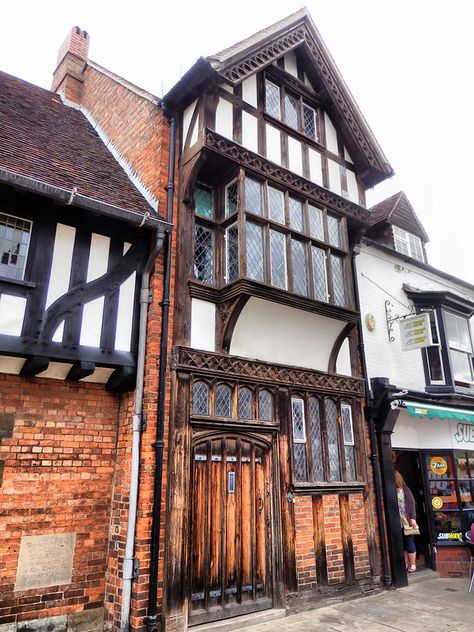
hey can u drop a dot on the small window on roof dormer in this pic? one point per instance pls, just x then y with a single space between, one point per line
407 244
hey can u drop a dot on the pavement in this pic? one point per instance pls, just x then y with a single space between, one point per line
431 605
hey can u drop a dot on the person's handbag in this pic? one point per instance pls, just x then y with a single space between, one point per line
409 530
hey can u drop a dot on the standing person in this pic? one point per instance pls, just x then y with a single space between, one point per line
407 509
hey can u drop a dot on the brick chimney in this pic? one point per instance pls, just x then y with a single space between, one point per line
72 59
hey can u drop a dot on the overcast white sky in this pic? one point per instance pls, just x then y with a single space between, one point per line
408 63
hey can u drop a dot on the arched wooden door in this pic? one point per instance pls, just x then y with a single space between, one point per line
230 562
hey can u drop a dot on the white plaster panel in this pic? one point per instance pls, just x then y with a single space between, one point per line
123 332
11 365
423 433
334 177
62 263
343 362
224 118
331 135
187 116
315 166
93 311
12 313
249 90
250 131
56 371
290 64
352 186
295 158
227 88
347 155
384 358
284 335
58 334
203 325
273 144
100 375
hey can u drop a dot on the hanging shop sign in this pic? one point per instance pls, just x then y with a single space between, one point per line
415 332
438 465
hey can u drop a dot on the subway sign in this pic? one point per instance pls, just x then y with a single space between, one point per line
415 332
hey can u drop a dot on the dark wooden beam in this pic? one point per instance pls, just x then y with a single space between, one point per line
80 370
34 365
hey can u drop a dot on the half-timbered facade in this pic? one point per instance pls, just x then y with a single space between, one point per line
269 500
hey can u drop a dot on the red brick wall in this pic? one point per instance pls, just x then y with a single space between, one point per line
304 545
59 465
453 561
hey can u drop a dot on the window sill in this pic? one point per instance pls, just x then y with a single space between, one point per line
18 282
328 488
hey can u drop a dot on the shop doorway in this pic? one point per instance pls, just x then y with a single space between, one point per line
409 464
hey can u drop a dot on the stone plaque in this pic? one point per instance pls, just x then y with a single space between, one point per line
45 560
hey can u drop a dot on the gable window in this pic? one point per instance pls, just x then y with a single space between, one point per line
290 108
323 440
15 236
407 244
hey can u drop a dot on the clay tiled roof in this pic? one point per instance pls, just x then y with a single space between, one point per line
398 210
43 139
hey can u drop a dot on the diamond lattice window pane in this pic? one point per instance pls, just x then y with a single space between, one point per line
316 227
203 199
339 290
232 253
301 467
319 274
316 439
265 407
14 241
298 260
295 208
278 259
297 413
245 403
272 99
231 198
291 111
276 205
309 122
253 196
254 243
223 401
334 231
204 255
350 462
200 398
332 439
347 429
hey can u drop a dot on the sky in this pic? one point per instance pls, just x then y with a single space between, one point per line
409 65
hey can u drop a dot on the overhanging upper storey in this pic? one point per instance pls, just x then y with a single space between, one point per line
296 81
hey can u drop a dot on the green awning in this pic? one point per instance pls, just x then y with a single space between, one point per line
421 409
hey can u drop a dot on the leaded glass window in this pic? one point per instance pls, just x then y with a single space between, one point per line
253 196
334 232
332 439
298 261
309 122
14 241
232 253
339 290
254 242
245 403
204 254
316 226
204 201
278 259
223 401
272 99
265 412
316 439
348 437
231 198
201 398
291 111
276 205
295 208
319 274
299 439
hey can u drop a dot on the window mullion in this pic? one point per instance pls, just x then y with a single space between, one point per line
309 446
324 439
340 437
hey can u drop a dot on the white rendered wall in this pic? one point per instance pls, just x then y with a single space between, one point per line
331 135
334 176
347 156
250 131
60 269
187 116
315 167
352 186
290 64
224 118
284 335
249 90
384 358
203 325
123 331
423 433
273 144
343 362
295 158
93 311
12 313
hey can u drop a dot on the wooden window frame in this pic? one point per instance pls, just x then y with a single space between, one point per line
30 232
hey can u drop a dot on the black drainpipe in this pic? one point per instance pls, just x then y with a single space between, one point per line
374 457
151 620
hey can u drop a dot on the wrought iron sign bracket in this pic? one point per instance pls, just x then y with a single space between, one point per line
393 318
